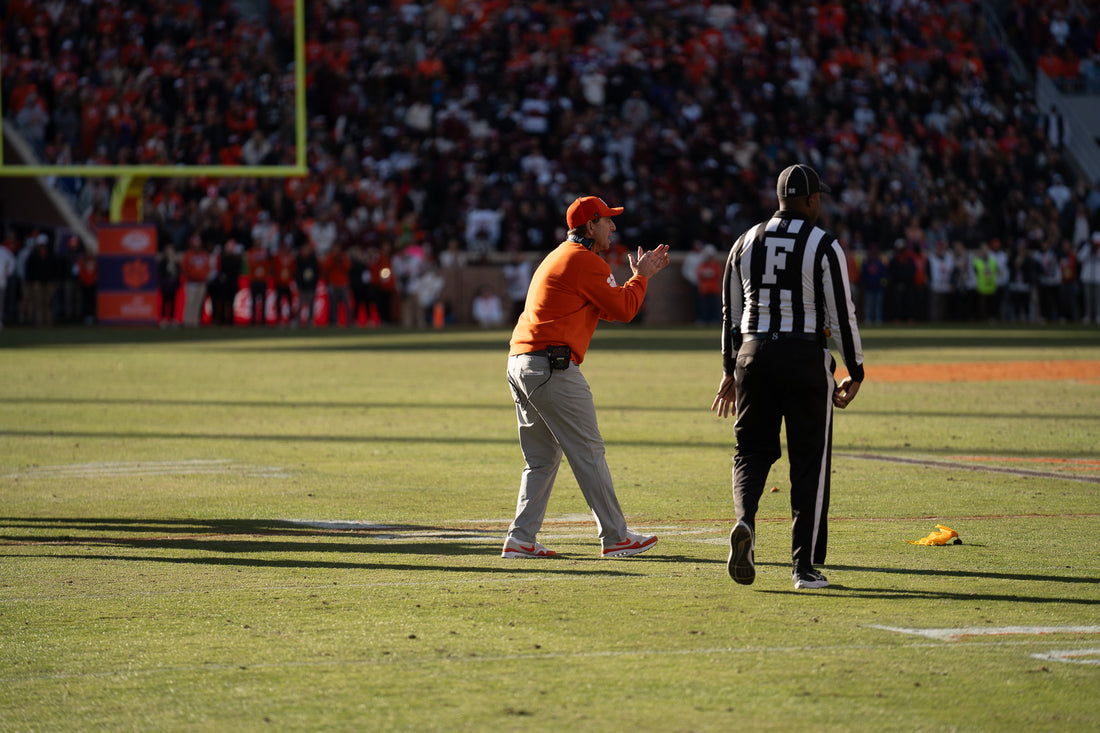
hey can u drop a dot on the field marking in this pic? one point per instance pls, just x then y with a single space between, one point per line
969 631
1071 656
113 469
1074 464
1087 370
531 657
933 463
394 531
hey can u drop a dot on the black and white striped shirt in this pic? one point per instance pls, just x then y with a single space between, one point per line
787 275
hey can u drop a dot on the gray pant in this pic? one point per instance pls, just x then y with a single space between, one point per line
556 415
194 294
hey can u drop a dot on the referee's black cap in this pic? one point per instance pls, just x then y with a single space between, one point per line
799 180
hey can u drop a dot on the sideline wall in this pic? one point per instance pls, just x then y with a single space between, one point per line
668 298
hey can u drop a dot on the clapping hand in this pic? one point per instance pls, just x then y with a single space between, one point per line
648 264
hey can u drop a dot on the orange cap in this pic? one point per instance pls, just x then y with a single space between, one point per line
587 208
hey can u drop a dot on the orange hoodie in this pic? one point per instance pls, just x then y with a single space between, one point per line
570 292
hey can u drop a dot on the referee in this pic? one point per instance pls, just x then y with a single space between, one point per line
785 294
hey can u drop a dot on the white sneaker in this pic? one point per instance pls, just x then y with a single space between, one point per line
514 548
632 544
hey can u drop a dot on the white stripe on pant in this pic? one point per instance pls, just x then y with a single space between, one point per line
556 414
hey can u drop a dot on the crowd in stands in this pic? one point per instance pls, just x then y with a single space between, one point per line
1062 39
458 132
149 82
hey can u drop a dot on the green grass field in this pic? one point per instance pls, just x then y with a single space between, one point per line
263 530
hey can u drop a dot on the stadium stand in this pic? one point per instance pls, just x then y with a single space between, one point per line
476 122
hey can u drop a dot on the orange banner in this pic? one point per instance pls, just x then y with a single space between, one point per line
127 288
127 307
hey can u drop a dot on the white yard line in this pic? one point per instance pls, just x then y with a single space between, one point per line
531 657
109 469
1072 656
956 465
969 631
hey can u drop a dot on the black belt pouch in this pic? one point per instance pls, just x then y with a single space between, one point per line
559 355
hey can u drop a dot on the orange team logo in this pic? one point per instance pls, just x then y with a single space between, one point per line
135 274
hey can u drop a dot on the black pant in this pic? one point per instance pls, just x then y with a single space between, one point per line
258 292
283 294
787 381
168 302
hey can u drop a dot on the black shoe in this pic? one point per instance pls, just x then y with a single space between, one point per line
809 578
740 563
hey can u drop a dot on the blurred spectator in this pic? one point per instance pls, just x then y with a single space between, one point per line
40 280
454 257
284 265
382 292
69 305
256 150
689 269
901 272
488 308
985 279
709 278
258 266
168 276
265 232
941 263
517 279
32 119
196 270
918 302
336 271
963 284
88 280
307 271
226 283
176 229
1088 258
426 289
483 229
323 233
1057 131
1023 276
1000 299
1069 291
1090 73
23 254
873 276
359 284
408 263
1050 281
7 274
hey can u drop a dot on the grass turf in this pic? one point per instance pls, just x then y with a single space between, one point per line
212 530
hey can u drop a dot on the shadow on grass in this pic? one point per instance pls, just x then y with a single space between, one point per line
617 337
987 574
879 452
213 527
876 592
275 544
406 404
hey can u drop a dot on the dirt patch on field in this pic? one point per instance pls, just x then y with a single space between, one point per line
987 371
